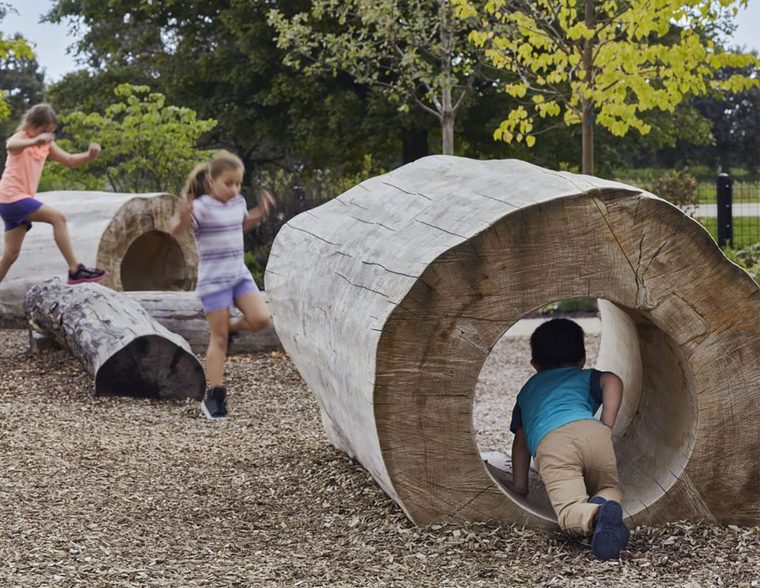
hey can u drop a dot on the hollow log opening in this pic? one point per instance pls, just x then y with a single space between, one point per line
139 252
151 367
155 261
390 298
657 423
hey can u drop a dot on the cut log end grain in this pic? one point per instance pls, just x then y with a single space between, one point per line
125 350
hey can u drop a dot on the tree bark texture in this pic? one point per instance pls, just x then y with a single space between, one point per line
390 297
125 351
125 234
182 313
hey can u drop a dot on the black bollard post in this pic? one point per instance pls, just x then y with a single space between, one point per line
725 189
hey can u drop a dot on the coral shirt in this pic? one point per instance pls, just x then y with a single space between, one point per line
22 173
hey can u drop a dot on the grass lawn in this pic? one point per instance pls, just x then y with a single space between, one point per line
746 230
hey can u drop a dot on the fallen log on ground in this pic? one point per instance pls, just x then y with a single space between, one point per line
125 351
182 313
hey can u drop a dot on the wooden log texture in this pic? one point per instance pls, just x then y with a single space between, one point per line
390 297
182 313
125 351
125 234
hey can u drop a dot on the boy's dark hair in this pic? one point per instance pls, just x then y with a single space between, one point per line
557 343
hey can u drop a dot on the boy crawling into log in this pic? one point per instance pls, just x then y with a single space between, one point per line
553 421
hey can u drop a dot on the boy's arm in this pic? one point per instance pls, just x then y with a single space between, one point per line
16 143
612 396
520 464
74 159
258 213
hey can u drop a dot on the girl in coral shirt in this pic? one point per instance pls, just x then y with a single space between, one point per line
28 149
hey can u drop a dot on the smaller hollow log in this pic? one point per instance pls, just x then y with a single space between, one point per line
182 313
128 235
125 351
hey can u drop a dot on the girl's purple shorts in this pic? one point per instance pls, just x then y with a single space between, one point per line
15 213
226 298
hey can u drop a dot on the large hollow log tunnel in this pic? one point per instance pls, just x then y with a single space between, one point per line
390 297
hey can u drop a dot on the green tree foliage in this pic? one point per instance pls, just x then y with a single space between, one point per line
735 121
602 62
220 59
14 50
732 121
414 51
21 83
148 146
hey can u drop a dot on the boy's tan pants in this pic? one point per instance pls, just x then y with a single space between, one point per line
577 461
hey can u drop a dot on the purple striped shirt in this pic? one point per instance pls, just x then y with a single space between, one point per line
218 230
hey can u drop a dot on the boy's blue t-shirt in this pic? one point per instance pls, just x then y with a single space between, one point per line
553 398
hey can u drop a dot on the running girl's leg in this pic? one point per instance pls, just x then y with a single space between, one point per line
11 248
48 214
218 324
255 312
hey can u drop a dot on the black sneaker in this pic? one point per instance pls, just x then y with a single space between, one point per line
214 406
86 274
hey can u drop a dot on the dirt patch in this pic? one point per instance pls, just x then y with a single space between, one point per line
124 492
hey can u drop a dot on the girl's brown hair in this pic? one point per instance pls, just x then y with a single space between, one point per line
197 182
39 116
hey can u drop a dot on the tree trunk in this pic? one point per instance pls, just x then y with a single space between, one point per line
588 137
447 129
121 347
389 298
586 104
415 144
182 313
448 115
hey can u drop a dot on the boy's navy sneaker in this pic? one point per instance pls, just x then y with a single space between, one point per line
85 274
606 540
214 406
623 533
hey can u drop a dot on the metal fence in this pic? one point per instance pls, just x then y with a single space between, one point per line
729 209
732 215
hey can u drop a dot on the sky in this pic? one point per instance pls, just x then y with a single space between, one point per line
51 41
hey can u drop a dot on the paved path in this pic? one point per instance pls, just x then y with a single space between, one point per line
738 209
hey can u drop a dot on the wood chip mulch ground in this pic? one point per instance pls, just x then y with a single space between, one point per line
125 492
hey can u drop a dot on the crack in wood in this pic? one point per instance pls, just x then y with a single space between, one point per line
314 235
640 286
360 286
422 222
390 271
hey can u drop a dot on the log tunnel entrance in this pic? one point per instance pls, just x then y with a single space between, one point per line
154 261
390 298
656 426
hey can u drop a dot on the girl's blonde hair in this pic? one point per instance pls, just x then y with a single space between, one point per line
197 182
38 116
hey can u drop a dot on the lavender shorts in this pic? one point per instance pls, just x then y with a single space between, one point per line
226 298
15 214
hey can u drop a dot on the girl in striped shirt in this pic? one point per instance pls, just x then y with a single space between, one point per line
217 213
